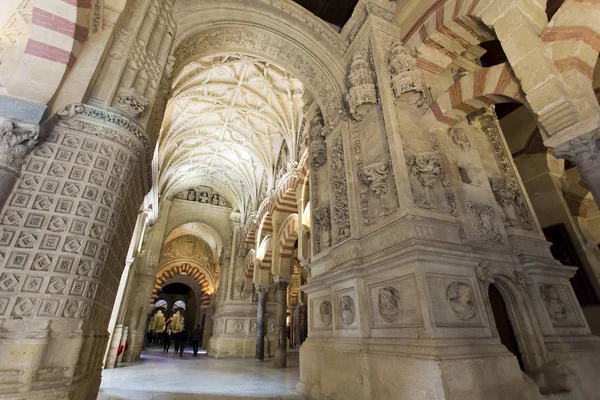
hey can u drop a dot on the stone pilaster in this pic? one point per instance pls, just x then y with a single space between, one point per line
16 142
64 235
260 323
281 298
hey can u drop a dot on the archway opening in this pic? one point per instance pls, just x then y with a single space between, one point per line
503 324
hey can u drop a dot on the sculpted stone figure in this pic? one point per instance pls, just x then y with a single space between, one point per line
389 303
428 169
554 305
325 313
191 196
347 310
460 298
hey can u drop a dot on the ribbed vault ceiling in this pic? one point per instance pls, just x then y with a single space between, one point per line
230 116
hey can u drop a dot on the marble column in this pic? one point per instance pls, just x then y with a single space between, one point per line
16 141
281 298
584 152
260 322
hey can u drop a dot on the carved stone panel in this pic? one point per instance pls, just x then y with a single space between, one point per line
559 305
347 310
483 219
396 303
341 212
453 300
430 183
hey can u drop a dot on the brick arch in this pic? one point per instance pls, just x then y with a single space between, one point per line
249 265
288 236
193 271
59 28
485 87
445 31
265 220
265 253
285 200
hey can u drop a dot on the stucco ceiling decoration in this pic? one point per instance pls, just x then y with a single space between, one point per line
230 116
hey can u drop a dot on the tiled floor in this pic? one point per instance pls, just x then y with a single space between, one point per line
167 377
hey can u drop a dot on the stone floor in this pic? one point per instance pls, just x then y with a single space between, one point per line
167 377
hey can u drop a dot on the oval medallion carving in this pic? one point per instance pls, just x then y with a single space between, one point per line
325 313
460 298
389 303
347 310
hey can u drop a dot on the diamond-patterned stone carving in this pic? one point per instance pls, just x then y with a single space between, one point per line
35 166
26 240
20 200
90 193
32 284
117 170
90 249
57 169
97 177
35 220
77 173
71 309
107 149
85 310
3 305
91 290
57 285
78 288
23 307
29 182
84 209
72 245
42 203
64 206
113 183
44 150
50 186
50 242
49 308
102 163
6 237
107 199
17 261
78 227
12 217
64 265
84 159
97 231
64 155
57 224
71 189
70 141
84 267
41 262
89 145
9 282
102 214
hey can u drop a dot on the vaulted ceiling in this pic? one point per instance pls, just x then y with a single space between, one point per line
336 12
230 117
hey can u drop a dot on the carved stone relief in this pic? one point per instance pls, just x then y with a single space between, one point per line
508 195
362 93
318 149
204 195
460 298
557 309
483 219
434 190
16 141
347 310
408 82
389 303
322 227
325 313
341 213
460 139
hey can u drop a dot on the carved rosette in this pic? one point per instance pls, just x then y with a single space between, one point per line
16 141
408 82
483 219
362 92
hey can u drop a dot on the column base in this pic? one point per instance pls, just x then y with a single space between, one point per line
353 370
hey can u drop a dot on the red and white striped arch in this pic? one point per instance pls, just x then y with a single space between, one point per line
265 220
288 236
483 88
249 265
265 253
59 28
446 30
182 269
285 200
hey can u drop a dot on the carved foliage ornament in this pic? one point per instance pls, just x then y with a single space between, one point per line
460 299
584 153
408 82
483 219
362 92
341 215
16 141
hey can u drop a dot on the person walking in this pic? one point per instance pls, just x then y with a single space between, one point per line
196 337
166 341
183 337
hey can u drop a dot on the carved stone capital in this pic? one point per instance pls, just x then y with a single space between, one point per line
583 152
16 141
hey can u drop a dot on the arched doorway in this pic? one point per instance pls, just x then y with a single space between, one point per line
503 324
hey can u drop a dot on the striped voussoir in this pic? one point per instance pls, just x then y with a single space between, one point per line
186 268
288 236
285 200
59 28
483 88
266 248
445 31
249 264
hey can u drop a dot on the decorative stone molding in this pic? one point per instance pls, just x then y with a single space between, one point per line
341 213
362 93
16 141
483 219
130 102
96 16
408 82
376 175
102 123
523 279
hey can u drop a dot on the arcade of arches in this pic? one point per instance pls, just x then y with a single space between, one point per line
410 198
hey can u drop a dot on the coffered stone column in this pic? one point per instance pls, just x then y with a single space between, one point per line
16 141
260 322
281 298
64 234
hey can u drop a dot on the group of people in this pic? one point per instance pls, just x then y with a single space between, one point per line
181 338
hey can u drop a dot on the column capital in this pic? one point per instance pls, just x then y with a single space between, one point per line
17 139
583 151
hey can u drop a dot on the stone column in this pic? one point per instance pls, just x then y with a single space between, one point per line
281 298
16 141
208 325
64 235
584 152
260 322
